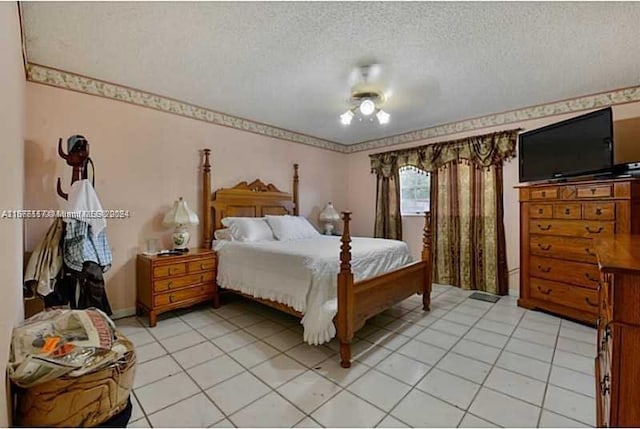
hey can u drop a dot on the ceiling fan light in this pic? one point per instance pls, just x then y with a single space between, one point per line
346 117
367 107
383 117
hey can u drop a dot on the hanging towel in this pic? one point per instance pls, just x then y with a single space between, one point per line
45 261
83 199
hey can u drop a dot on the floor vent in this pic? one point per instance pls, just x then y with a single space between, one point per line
484 297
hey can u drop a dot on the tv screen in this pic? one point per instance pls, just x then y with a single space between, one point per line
578 146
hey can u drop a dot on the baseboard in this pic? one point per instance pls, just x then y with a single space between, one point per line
123 312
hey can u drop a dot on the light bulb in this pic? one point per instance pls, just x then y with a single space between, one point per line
346 117
383 117
367 107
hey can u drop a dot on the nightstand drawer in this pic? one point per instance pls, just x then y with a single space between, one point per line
181 282
183 295
170 270
202 265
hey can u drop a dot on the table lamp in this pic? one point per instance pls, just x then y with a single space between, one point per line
180 216
328 216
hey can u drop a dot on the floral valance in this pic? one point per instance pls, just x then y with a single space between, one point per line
484 151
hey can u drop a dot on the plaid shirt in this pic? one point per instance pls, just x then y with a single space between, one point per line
80 246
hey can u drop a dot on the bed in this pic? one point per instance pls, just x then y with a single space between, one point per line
370 276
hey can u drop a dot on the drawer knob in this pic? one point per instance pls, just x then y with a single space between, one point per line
591 278
170 284
202 266
170 271
589 252
544 292
544 228
567 211
544 247
171 299
544 269
540 211
593 231
588 301
593 191
201 279
598 211
543 193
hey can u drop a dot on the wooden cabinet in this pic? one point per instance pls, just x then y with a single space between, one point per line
558 223
617 368
165 283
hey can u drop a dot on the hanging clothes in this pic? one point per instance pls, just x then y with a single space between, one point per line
45 262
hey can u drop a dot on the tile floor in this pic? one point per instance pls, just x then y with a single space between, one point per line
466 363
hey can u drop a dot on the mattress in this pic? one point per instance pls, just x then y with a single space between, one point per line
303 273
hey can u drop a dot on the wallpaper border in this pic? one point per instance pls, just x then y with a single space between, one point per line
84 84
75 82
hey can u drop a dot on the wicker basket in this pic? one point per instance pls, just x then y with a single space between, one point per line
84 401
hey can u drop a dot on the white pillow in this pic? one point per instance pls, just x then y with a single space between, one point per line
248 228
287 228
223 234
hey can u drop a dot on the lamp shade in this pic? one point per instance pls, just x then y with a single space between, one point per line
180 214
329 214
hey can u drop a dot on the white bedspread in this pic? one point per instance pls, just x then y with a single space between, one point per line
303 273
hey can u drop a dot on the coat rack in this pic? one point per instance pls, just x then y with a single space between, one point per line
77 158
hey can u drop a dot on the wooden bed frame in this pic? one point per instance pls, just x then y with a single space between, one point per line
357 301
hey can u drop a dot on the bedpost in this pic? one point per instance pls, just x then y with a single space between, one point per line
427 257
345 320
206 201
296 202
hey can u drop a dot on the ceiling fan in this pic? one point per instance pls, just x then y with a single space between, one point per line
365 100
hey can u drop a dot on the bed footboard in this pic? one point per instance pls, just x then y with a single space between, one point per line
357 302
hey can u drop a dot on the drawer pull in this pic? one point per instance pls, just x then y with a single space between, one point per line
591 278
544 269
201 279
598 211
543 193
567 211
171 299
540 211
546 228
593 231
589 252
544 292
544 247
604 385
202 266
588 301
170 284
170 272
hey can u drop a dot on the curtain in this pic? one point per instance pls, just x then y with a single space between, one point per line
388 222
466 206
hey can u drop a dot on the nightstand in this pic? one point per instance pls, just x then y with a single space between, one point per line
165 283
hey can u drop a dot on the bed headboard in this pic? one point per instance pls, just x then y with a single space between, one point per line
253 199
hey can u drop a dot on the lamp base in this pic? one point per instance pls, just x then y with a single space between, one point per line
328 228
181 239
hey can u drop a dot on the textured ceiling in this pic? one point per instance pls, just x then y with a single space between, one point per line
289 64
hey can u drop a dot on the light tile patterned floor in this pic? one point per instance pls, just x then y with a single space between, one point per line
466 363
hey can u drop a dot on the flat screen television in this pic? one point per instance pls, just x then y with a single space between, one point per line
575 147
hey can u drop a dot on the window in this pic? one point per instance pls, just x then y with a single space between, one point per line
415 190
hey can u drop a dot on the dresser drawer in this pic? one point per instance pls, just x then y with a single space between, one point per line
571 228
567 211
576 297
183 295
181 282
577 273
541 211
548 193
571 248
599 211
169 270
202 265
594 191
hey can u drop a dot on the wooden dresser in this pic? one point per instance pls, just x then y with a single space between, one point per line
165 283
558 266
618 359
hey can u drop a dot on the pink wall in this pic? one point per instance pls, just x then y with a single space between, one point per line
146 159
362 189
12 117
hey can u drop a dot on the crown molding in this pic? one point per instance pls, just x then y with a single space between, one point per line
578 104
75 82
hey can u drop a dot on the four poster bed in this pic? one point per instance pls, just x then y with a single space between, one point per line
357 301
